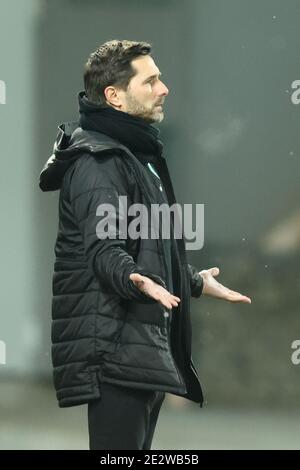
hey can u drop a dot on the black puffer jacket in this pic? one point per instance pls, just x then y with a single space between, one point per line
104 329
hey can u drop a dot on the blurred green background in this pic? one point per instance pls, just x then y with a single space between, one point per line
231 134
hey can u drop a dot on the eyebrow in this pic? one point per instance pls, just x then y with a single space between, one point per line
152 76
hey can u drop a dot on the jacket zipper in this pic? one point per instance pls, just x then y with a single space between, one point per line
168 328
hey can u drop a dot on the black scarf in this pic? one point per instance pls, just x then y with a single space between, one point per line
140 137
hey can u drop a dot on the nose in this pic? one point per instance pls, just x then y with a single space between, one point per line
164 90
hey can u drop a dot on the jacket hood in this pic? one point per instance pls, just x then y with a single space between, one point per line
71 142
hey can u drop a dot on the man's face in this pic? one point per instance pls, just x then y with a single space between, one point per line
146 93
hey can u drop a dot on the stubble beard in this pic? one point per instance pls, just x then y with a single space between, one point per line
135 108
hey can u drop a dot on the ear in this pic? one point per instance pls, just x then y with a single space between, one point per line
113 96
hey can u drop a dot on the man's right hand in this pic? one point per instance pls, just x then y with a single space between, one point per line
154 290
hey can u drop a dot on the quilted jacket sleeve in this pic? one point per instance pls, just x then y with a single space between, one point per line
196 281
94 200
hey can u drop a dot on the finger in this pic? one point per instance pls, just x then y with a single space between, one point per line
238 294
168 301
246 299
165 303
233 292
174 301
243 300
239 298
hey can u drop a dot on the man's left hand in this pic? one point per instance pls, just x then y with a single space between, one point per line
213 288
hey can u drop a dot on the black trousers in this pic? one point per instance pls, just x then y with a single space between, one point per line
123 418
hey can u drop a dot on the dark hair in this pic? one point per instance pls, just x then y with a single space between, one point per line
110 64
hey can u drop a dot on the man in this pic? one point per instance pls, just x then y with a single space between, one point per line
121 328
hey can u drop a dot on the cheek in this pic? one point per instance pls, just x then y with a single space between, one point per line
148 91
145 96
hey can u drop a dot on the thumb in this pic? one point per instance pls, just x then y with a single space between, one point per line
214 271
135 277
